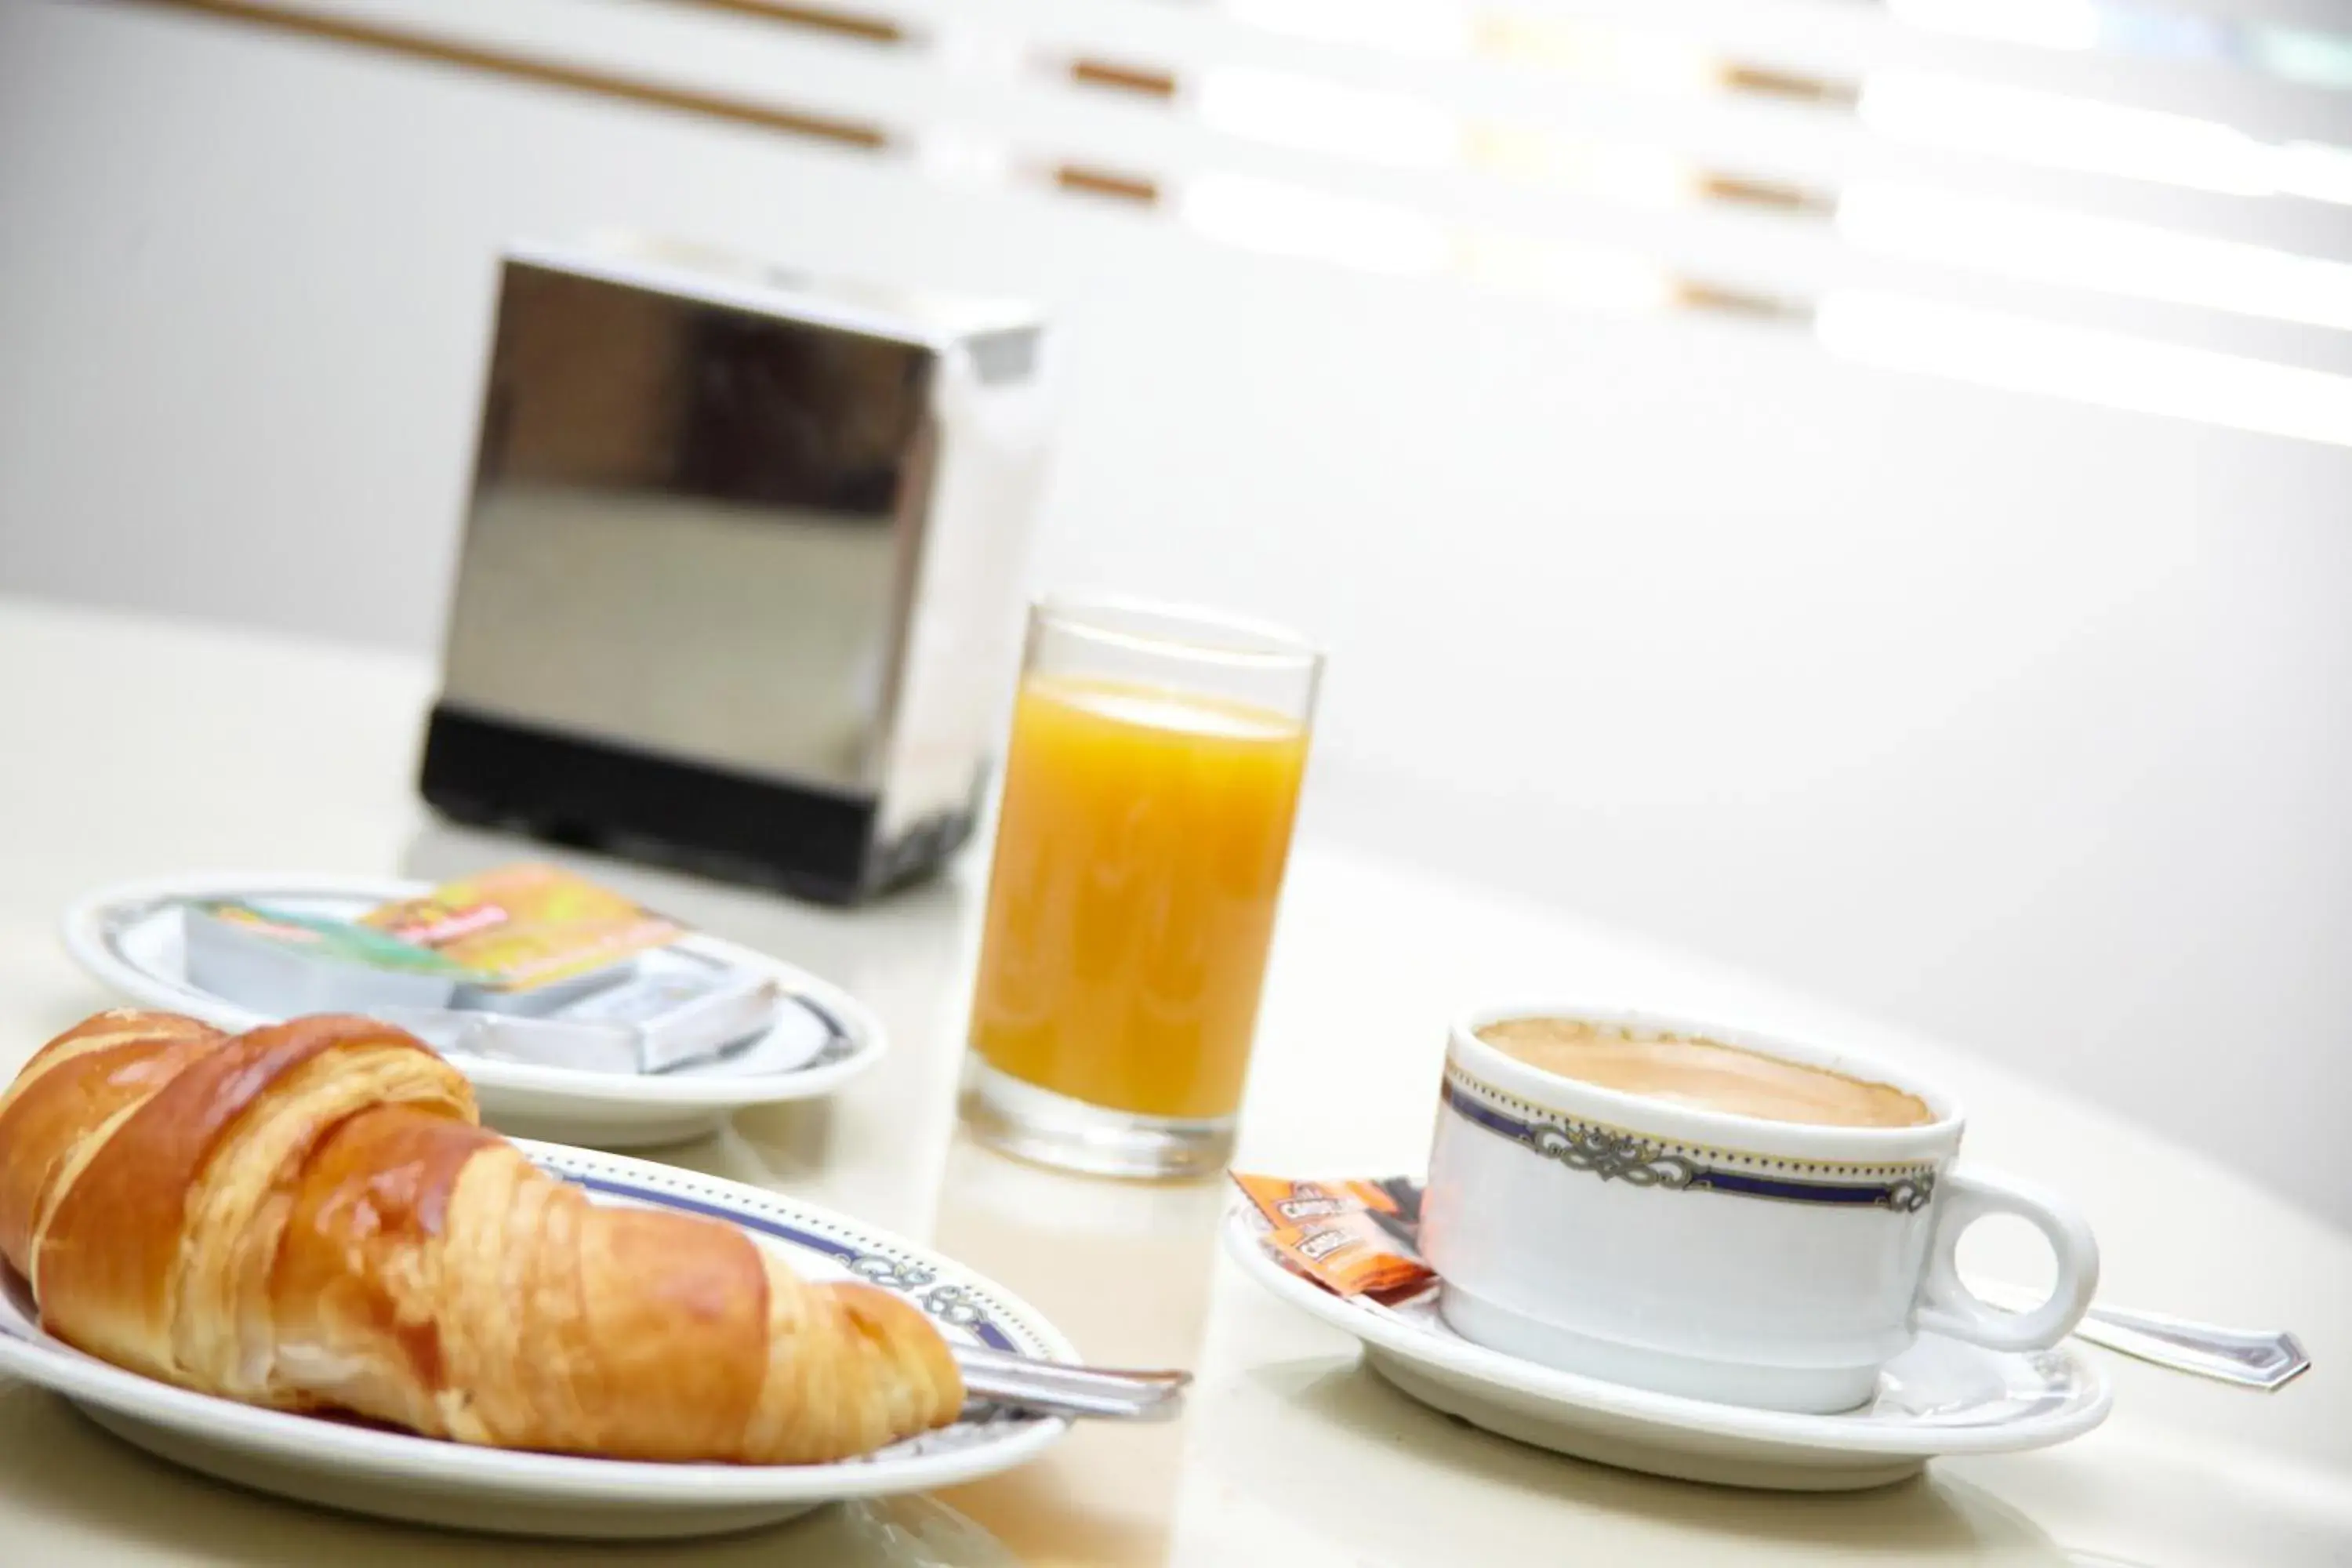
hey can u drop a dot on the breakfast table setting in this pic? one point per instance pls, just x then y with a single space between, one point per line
1309 1336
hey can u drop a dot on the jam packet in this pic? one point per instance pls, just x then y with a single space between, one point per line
531 934
1352 1238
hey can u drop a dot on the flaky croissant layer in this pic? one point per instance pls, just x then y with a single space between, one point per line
309 1216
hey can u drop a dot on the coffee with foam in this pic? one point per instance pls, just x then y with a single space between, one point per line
1703 1074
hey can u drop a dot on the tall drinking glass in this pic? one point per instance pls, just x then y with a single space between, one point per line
1150 787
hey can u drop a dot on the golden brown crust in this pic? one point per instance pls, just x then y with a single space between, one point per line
118 1059
128 1236
307 1215
351 1318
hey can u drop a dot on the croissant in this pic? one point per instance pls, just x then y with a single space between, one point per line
307 1217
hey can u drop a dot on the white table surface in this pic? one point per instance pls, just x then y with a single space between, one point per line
133 747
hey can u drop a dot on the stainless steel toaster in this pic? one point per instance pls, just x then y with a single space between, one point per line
739 584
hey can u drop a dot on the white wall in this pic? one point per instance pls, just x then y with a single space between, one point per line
2021 721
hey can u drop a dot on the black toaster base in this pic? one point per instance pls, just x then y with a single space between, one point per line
640 806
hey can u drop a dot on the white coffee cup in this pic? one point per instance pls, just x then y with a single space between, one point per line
1698 1252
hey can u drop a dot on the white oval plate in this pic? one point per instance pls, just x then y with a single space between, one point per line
129 936
1939 1398
399 1474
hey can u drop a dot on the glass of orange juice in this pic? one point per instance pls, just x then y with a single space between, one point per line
1150 787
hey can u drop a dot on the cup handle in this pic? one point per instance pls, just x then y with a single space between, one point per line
1947 1306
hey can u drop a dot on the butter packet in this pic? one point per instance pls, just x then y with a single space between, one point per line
649 1024
1352 1238
280 961
531 935
323 936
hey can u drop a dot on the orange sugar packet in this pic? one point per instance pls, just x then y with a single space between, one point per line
1348 1254
1351 1237
1285 1202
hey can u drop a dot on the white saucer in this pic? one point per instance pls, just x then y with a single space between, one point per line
398 1475
129 936
1939 1398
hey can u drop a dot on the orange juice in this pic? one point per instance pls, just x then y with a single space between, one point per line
1138 854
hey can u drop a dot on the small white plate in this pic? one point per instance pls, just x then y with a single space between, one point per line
130 937
1938 1397
398 1475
